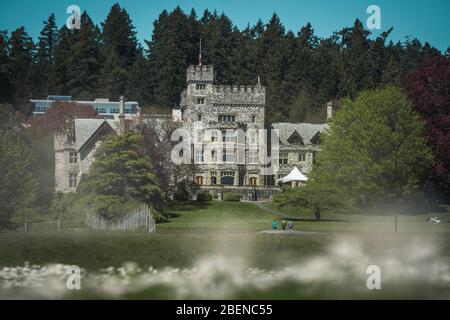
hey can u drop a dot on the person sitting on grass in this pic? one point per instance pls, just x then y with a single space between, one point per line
283 224
274 224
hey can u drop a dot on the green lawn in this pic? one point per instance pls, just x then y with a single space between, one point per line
221 243
216 228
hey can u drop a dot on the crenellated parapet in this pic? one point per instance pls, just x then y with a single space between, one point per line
238 94
239 89
200 73
62 141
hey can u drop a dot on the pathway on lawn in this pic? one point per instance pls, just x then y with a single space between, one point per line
290 232
260 205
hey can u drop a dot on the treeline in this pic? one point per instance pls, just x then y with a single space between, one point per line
301 70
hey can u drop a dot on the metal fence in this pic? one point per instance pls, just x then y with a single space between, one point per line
138 218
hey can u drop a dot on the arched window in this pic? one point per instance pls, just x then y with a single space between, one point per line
213 181
199 180
253 181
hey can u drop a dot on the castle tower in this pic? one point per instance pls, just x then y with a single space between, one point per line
200 74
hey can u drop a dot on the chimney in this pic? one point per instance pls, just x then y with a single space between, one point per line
122 124
329 110
122 106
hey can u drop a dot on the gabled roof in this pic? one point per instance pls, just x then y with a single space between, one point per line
306 130
295 138
316 137
86 128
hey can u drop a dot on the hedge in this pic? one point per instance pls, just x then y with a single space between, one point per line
228 196
204 196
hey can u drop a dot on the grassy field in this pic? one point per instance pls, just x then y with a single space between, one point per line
231 231
196 230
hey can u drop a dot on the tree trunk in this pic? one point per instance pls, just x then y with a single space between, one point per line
317 213
25 222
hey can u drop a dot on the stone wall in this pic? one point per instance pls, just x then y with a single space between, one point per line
247 193
239 95
63 167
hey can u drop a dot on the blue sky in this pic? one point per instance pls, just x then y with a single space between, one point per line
427 20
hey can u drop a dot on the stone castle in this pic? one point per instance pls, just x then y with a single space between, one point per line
211 115
223 125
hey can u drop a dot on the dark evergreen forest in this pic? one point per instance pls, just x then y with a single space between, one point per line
300 70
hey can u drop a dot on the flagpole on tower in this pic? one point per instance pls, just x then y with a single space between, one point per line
200 54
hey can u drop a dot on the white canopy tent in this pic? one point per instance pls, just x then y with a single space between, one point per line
294 176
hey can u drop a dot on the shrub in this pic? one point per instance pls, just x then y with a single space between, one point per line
180 196
215 196
204 196
228 196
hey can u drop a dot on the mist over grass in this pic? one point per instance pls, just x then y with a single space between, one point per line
412 269
216 251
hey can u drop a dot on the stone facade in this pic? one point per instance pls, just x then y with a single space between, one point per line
299 144
64 166
75 148
74 151
213 115
224 127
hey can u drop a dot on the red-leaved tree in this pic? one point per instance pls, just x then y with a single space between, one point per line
428 88
59 117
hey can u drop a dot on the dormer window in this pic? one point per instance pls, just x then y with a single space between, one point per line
317 139
295 138
200 100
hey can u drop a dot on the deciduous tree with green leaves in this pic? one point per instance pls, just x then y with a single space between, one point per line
374 148
375 145
315 197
